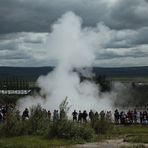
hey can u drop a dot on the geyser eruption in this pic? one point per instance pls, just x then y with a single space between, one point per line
71 47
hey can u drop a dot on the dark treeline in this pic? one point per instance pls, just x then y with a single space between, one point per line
22 83
14 83
139 94
103 83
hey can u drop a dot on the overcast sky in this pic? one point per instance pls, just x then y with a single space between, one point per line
25 24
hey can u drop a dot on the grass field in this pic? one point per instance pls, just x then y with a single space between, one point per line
33 142
134 134
129 129
141 138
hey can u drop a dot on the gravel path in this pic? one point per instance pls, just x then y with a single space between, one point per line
114 143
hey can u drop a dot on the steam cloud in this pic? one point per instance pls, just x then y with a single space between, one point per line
71 47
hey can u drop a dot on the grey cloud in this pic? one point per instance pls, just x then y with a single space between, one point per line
134 53
129 14
14 40
29 47
122 62
21 20
141 37
38 15
118 44
128 38
9 55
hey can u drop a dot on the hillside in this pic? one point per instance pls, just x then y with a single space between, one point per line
32 73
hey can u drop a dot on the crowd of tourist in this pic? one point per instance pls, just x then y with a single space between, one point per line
131 117
118 117
122 117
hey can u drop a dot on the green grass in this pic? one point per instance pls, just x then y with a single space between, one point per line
129 129
137 138
133 133
119 131
34 142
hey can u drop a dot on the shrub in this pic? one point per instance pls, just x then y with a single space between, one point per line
38 123
102 126
12 126
69 130
84 132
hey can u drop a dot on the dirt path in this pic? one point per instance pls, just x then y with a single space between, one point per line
114 143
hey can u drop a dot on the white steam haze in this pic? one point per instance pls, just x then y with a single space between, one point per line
71 46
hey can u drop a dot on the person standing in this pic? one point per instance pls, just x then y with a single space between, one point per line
91 115
25 114
80 116
85 116
74 114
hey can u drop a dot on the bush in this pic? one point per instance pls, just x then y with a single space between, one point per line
85 132
38 123
102 126
12 126
69 130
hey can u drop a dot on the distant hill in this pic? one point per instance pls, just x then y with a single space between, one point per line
33 73
30 73
123 71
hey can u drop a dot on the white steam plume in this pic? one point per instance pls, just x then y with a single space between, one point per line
71 46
